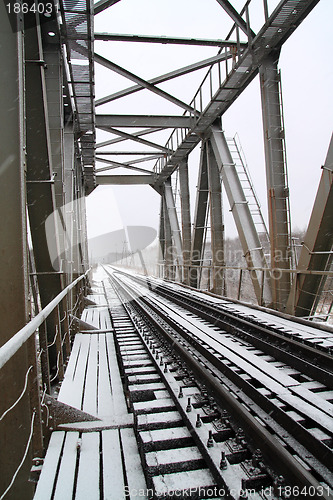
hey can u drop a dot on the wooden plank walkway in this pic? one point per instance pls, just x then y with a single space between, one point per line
95 460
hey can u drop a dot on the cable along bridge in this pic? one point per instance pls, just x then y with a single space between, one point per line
119 385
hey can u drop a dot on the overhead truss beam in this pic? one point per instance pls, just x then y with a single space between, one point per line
135 138
121 139
164 78
124 179
277 29
140 81
114 37
136 121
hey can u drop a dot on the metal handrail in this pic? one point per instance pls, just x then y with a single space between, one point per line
8 350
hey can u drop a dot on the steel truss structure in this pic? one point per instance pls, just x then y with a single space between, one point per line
48 161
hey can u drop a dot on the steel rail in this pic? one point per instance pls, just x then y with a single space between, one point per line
311 358
269 445
8 350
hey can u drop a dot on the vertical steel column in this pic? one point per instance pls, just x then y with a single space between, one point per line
15 426
169 270
186 219
174 225
276 175
161 237
216 221
199 218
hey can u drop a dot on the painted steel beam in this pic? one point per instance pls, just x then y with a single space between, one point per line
174 225
169 250
164 78
317 247
140 81
276 178
200 215
102 5
186 219
102 180
115 37
161 239
134 137
236 17
14 427
247 232
216 221
135 121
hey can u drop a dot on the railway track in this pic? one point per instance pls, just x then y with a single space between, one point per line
207 399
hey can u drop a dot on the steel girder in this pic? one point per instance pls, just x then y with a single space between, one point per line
144 121
186 220
247 232
15 426
216 221
102 180
171 215
277 182
199 223
317 247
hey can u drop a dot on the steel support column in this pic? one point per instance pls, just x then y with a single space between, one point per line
174 226
169 268
186 219
161 237
247 232
276 175
15 425
216 221
200 215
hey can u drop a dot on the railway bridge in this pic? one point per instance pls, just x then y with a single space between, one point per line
206 378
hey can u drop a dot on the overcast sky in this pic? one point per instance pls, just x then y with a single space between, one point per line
307 82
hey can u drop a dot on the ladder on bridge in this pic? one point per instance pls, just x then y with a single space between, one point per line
243 173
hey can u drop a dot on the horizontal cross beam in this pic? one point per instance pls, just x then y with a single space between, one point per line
114 37
102 180
159 121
